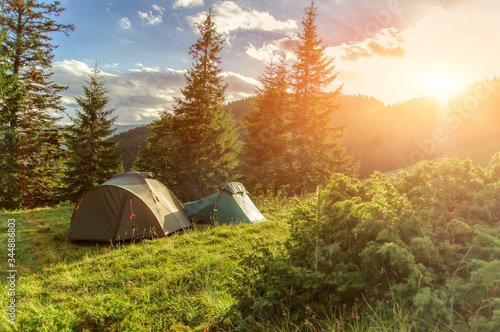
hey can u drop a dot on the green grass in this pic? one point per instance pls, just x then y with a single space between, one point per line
177 283
41 239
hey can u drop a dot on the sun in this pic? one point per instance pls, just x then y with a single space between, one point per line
441 85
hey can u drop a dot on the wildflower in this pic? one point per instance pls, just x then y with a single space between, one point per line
387 301
366 290
356 299
339 323
344 305
357 317
370 299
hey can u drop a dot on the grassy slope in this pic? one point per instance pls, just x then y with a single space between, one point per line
177 283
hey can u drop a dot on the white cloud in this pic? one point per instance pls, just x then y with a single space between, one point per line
139 95
124 23
159 9
229 17
187 3
386 43
126 41
272 49
152 18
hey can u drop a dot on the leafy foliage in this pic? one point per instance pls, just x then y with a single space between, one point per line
427 238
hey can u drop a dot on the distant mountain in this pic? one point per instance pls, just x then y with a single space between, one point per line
123 128
388 137
130 143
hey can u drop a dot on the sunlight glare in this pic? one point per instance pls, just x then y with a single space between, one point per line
441 86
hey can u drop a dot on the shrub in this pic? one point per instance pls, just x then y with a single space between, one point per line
427 238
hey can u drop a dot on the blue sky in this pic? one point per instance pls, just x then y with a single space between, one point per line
390 49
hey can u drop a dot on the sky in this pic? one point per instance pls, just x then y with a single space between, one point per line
393 50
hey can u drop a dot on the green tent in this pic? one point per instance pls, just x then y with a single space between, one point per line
129 205
228 205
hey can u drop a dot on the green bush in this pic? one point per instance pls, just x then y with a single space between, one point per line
428 239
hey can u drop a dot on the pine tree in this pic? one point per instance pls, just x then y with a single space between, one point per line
29 52
316 144
202 145
264 157
91 156
11 95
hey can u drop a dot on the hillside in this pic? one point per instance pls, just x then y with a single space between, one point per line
390 137
381 254
130 143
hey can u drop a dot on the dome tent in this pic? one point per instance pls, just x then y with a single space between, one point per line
129 205
229 205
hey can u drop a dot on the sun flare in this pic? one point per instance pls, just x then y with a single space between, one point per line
441 85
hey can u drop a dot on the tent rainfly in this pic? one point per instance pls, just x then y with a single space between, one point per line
129 205
229 205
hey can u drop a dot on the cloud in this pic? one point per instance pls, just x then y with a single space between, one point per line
239 86
386 43
139 95
152 18
159 9
230 17
124 23
272 49
187 3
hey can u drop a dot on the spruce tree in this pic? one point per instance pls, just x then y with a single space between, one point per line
199 142
265 156
316 143
29 52
91 156
11 95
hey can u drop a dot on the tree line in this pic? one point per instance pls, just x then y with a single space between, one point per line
289 141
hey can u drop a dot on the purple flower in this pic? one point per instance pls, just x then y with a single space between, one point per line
344 305
356 299
339 324
370 299
366 290
387 301
357 317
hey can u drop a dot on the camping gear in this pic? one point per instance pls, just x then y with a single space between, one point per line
129 205
229 205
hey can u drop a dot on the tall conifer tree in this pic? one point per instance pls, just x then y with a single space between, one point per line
29 50
198 141
265 157
91 156
316 144
11 97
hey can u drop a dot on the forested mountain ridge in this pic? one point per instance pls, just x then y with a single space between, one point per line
129 144
388 137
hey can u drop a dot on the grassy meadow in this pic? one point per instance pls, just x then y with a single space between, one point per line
415 252
176 283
